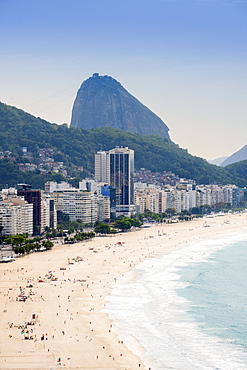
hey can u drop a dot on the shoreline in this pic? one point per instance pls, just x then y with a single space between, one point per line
70 301
200 251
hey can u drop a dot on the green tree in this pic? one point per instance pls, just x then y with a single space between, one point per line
28 248
122 224
135 222
37 246
76 224
102 228
17 239
63 220
171 212
196 210
20 250
47 244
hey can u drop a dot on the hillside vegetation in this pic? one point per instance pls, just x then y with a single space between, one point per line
239 170
76 147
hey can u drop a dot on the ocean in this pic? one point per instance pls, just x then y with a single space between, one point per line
186 309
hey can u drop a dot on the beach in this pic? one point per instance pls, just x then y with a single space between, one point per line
57 299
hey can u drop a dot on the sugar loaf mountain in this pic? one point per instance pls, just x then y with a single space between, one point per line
102 101
104 115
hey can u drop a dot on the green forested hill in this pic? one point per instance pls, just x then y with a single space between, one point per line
76 147
239 170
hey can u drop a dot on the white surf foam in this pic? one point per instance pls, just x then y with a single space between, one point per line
153 319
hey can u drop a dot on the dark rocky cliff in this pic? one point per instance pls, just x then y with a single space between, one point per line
103 101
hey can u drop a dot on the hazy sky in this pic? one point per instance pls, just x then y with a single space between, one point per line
184 59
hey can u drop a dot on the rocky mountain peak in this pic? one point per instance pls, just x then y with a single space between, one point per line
103 101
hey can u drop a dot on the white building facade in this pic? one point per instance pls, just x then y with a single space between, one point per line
82 205
16 217
100 173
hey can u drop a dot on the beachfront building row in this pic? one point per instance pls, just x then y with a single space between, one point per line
92 201
86 206
16 216
183 197
158 201
24 210
44 211
215 194
96 201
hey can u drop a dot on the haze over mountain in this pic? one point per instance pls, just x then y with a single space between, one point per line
217 161
102 101
240 155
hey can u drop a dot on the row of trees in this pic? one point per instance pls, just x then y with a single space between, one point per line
32 247
189 215
121 223
21 244
78 237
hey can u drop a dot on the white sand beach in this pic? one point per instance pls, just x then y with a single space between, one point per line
56 298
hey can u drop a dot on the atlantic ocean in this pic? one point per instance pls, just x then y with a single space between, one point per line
185 308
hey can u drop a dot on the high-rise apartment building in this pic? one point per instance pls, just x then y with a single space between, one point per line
34 197
44 212
16 217
48 212
117 167
103 208
110 192
100 166
77 204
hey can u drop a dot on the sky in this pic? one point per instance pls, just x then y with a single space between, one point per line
186 60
